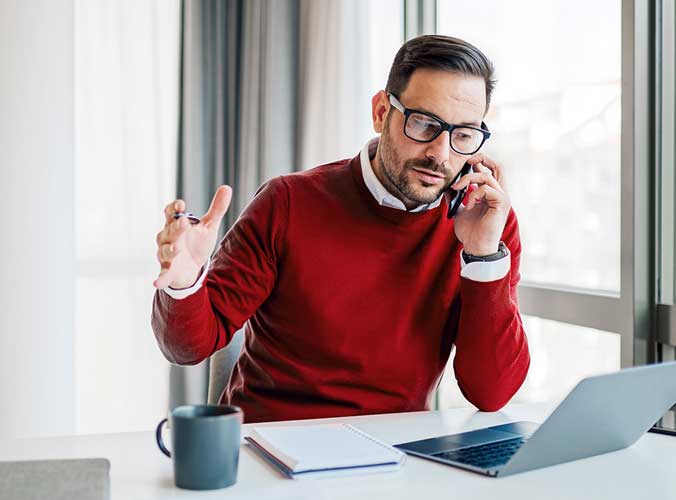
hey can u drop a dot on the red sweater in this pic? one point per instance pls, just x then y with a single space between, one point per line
353 307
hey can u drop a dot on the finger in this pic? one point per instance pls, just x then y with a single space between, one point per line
162 236
480 178
495 168
219 205
483 194
478 167
172 208
172 231
163 279
166 253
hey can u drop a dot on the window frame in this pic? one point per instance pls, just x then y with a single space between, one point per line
665 190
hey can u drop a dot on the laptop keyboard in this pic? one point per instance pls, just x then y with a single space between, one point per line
485 456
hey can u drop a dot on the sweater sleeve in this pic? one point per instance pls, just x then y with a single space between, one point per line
492 359
242 275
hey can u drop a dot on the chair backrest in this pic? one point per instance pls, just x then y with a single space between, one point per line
221 364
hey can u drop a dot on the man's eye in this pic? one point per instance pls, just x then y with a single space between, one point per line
422 127
423 124
464 135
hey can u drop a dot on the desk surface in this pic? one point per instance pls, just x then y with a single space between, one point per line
140 471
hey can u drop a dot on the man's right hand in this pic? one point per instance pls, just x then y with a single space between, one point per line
183 248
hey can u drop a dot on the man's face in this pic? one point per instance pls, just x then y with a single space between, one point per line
416 172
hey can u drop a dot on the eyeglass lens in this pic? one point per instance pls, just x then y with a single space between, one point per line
425 128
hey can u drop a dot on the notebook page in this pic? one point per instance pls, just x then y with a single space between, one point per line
324 446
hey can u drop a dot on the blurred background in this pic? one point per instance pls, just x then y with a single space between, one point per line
110 109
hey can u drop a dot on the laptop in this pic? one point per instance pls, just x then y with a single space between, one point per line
601 414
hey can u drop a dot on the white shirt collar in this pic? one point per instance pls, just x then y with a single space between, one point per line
382 195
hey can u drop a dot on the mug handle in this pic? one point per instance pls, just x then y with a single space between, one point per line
158 437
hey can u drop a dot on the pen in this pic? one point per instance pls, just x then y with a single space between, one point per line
193 219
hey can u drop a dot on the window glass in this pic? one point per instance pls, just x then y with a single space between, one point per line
126 104
555 118
561 355
386 35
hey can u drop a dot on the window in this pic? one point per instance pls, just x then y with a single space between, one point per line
571 117
552 374
385 35
555 118
126 97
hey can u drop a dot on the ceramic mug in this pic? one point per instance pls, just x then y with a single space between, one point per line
205 443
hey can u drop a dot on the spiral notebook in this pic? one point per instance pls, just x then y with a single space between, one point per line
323 450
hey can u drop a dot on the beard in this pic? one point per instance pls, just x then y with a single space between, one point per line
397 173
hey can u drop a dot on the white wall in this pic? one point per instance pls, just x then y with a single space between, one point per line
37 244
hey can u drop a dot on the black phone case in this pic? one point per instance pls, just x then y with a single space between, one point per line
456 197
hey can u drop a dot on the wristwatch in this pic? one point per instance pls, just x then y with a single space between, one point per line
502 252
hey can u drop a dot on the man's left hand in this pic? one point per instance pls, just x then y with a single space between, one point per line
479 224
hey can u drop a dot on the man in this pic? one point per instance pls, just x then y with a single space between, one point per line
349 276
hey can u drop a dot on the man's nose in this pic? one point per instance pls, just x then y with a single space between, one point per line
440 148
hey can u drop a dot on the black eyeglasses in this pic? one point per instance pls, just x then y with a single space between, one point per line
425 127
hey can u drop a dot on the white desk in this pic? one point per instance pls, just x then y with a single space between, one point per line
140 471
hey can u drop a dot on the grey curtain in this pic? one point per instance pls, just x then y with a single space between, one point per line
237 115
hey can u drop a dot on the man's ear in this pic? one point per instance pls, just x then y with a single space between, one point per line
380 106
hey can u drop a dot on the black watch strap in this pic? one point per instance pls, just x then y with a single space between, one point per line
502 252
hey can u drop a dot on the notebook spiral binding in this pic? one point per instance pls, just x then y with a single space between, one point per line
377 441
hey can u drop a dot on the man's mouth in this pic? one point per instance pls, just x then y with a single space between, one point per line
429 176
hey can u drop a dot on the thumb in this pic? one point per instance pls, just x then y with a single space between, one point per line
219 205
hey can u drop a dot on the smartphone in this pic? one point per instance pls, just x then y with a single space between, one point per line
457 196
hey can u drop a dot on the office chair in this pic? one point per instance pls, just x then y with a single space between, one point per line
221 365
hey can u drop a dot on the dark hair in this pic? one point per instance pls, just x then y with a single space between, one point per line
439 52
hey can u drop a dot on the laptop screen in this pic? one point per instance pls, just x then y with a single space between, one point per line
667 424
